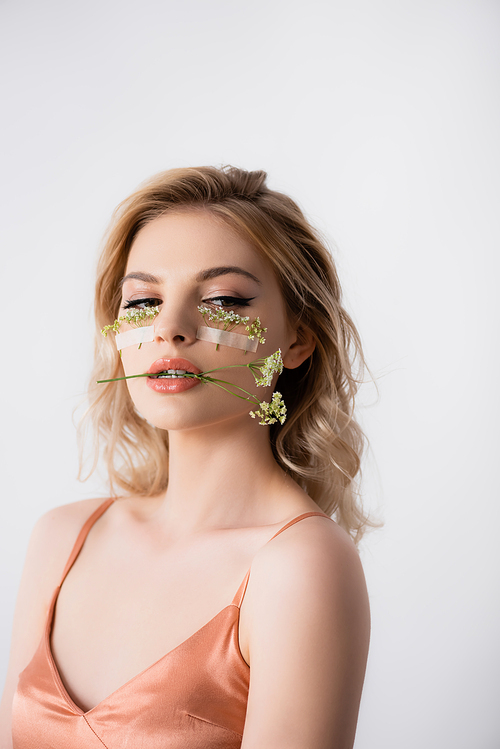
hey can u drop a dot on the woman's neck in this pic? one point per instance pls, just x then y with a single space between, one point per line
221 477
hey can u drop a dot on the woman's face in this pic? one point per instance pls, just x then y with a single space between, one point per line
178 262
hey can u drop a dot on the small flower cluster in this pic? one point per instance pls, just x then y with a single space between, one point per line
229 318
256 330
267 367
132 316
270 413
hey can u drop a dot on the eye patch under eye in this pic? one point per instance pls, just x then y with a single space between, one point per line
132 337
235 340
229 321
145 333
140 334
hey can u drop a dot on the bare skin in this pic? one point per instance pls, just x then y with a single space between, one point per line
166 565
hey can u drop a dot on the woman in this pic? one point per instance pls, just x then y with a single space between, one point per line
145 644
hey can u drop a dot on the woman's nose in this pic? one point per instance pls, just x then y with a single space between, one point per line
174 325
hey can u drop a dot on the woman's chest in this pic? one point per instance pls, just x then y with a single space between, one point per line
196 695
120 612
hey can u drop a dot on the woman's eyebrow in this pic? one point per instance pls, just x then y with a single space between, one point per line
147 277
224 270
204 275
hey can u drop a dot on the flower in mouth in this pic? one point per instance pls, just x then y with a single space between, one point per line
268 413
170 373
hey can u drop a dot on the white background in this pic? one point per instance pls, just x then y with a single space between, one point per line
382 119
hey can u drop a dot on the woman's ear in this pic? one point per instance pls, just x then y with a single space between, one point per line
300 349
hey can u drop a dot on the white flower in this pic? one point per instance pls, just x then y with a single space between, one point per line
228 317
132 316
268 367
270 413
256 329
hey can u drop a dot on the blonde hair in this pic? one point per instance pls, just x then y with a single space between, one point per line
320 445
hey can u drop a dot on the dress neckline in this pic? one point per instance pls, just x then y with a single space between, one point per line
62 688
236 603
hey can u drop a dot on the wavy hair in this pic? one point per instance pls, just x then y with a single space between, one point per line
320 445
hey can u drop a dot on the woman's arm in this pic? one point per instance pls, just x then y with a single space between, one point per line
50 546
308 634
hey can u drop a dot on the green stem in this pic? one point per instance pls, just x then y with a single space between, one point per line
233 366
188 374
126 377
252 366
218 382
235 394
202 378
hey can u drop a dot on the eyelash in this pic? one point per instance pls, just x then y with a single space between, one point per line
228 302
152 302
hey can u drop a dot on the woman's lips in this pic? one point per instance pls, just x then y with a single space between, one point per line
163 365
172 384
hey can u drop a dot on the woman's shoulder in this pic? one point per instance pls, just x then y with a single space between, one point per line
56 532
310 569
66 518
51 542
311 546
306 630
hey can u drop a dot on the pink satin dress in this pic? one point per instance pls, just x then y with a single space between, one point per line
194 697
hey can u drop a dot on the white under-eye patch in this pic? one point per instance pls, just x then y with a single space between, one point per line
226 338
229 320
136 336
139 334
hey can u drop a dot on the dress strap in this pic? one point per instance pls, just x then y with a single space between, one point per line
83 535
238 598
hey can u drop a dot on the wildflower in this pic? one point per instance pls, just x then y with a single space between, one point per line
132 316
256 330
270 413
267 367
228 317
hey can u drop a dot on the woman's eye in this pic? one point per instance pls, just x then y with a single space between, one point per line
229 301
141 303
